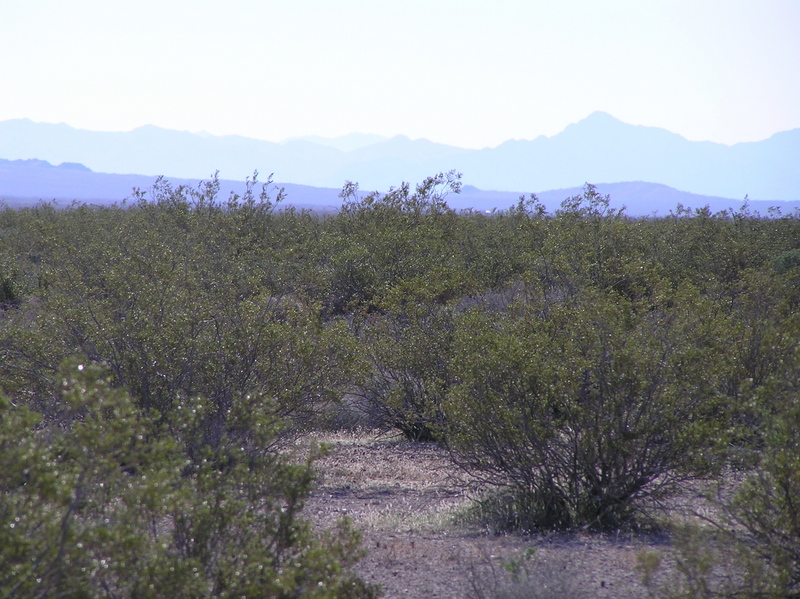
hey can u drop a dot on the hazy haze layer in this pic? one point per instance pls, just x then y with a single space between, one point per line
463 73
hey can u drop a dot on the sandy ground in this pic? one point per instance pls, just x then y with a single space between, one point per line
406 500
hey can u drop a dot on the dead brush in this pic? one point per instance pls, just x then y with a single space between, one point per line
522 576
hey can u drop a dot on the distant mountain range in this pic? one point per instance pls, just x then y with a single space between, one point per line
26 182
599 149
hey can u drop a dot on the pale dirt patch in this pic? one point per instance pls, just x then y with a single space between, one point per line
405 498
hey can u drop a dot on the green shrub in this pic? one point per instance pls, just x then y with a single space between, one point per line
106 505
585 409
409 350
750 545
786 261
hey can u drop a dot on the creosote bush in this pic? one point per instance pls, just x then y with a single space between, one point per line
752 547
585 408
105 504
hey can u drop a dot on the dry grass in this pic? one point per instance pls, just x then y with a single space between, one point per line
385 483
408 501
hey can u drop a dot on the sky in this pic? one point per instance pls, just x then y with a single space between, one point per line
462 72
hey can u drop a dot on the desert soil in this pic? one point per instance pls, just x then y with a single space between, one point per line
408 501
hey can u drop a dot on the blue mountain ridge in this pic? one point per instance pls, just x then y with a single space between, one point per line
598 148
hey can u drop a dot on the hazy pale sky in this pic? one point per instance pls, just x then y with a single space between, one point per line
463 72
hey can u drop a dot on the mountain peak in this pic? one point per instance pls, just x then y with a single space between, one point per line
599 116
74 166
596 122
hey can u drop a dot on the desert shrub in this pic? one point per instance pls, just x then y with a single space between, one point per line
380 240
408 349
584 409
106 505
521 576
9 290
702 563
764 512
749 546
786 261
180 297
